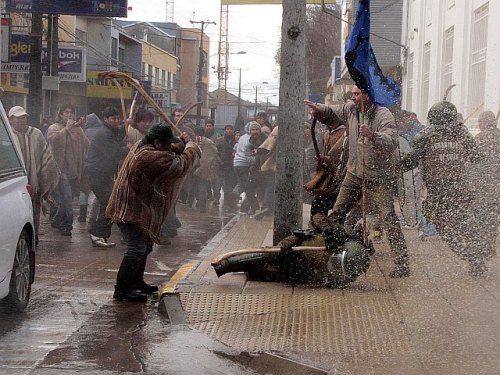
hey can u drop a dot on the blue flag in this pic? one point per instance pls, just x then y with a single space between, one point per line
362 64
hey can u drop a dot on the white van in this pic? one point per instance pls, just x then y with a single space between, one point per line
17 241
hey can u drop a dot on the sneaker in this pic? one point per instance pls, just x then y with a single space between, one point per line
100 242
400 271
110 244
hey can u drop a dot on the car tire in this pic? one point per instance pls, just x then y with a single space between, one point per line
22 274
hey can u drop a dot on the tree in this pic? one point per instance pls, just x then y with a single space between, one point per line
323 42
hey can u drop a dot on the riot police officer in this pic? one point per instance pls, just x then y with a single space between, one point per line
445 150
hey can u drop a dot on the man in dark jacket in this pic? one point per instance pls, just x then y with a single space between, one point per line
445 149
226 177
105 153
92 124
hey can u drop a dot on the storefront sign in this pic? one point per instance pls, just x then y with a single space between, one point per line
17 83
19 54
71 65
161 98
104 88
90 8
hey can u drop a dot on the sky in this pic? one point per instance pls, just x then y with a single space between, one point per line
254 29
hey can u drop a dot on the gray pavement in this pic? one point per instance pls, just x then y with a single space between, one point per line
439 320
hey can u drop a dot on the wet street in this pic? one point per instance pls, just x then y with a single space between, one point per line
73 324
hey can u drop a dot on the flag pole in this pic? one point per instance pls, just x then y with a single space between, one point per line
363 181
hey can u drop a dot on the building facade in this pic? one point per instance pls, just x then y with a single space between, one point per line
164 57
189 59
452 45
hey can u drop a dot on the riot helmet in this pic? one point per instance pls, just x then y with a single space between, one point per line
442 114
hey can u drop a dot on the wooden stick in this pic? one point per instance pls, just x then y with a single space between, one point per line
132 106
136 84
122 98
186 112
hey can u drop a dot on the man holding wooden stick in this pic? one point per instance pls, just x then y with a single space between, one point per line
370 168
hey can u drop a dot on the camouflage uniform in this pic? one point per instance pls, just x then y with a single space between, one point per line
445 150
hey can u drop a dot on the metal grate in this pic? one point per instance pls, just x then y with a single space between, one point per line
301 323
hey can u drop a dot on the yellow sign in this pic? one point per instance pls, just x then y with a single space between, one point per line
105 88
15 82
263 2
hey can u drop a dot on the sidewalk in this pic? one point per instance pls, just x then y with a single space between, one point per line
438 321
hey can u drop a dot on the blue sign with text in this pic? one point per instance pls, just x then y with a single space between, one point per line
93 8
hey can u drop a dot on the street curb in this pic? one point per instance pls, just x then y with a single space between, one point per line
169 306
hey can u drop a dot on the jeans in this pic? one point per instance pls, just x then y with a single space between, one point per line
137 248
102 188
131 271
62 195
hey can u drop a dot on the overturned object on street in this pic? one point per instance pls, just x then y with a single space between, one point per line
302 258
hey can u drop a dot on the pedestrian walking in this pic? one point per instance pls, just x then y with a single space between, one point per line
69 145
246 166
42 169
206 173
106 151
266 152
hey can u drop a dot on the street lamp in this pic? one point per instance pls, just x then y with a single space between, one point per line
256 87
267 100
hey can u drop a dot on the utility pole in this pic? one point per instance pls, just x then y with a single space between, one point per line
288 188
34 100
53 56
199 84
240 122
255 109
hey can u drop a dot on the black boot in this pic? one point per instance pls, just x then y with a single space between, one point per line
126 280
131 296
145 288
140 284
82 218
